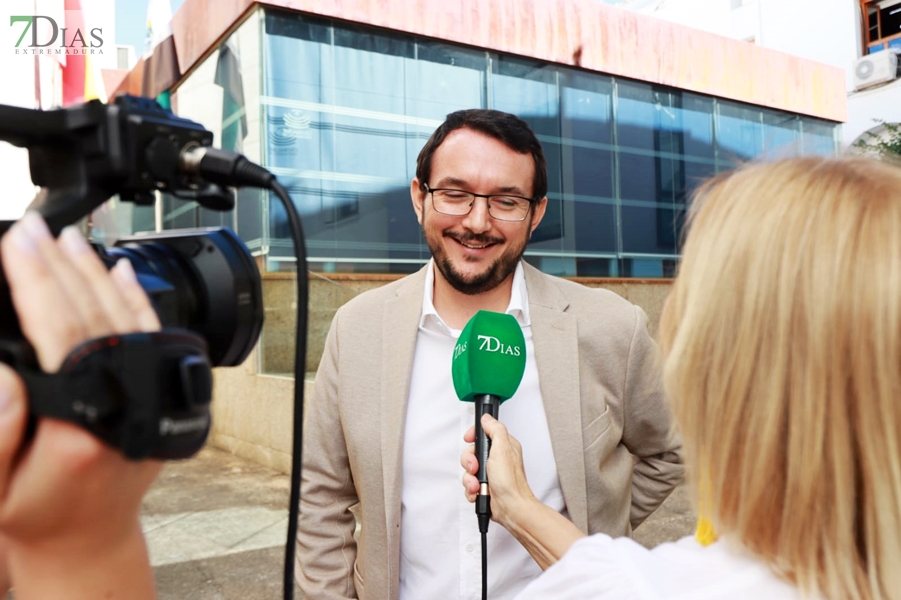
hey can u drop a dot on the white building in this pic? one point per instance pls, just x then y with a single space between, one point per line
855 35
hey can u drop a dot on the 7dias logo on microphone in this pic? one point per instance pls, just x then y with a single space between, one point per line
492 344
488 343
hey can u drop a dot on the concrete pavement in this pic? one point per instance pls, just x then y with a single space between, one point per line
216 527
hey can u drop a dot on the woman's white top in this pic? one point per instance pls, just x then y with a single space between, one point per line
599 567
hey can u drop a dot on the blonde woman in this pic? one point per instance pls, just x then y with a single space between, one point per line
782 344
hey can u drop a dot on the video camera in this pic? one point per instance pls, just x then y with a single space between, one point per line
147 394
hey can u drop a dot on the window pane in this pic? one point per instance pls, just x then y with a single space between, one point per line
587 166
873 23
781 134
249 216
178 214
143 218
636 116
527 89
739 132
370 76
649 229
694 117
595 224
586 103
696 173
890 20
648 214
443 79
818 136
292 55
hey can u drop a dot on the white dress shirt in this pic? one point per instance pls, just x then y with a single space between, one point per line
440 546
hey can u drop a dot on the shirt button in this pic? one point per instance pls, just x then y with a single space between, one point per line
472 410
469 547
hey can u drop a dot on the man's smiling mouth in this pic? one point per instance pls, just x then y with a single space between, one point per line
473 244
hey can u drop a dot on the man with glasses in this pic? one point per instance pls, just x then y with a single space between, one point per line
383 432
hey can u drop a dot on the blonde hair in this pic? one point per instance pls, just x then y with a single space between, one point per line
782 338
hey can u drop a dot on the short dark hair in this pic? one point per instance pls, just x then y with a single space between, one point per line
509 129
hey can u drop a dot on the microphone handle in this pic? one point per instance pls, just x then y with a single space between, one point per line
485 404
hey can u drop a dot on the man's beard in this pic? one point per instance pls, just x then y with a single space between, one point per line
493 276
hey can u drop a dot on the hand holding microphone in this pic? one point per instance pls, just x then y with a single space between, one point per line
488 365
510 490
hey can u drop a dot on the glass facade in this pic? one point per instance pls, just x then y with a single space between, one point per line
346 109
340 111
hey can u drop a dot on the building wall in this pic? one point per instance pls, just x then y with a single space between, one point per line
868 106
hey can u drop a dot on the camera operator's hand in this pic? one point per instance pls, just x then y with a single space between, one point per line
69 505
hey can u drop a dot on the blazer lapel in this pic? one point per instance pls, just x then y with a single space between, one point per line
400 326
555 337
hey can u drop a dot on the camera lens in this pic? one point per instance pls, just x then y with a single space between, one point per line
204 280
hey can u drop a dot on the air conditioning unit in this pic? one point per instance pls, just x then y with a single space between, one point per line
874 69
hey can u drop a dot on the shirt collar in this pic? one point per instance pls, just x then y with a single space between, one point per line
518 306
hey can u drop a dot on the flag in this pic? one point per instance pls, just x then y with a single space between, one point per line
160 60
82 80
234 117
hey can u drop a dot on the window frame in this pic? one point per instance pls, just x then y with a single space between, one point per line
866 43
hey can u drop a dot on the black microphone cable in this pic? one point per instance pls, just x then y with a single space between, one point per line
484 559
483 507
233 169
486 404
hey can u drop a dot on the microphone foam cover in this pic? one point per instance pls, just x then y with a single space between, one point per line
490 357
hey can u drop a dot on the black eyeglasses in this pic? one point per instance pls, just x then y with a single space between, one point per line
502 207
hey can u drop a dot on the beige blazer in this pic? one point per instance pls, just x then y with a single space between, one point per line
598 369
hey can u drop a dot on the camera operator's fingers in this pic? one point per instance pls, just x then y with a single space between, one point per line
13 413
138 303
58 255
73 287
38 295
118 313
63 258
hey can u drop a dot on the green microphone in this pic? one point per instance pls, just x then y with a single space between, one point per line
489 362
